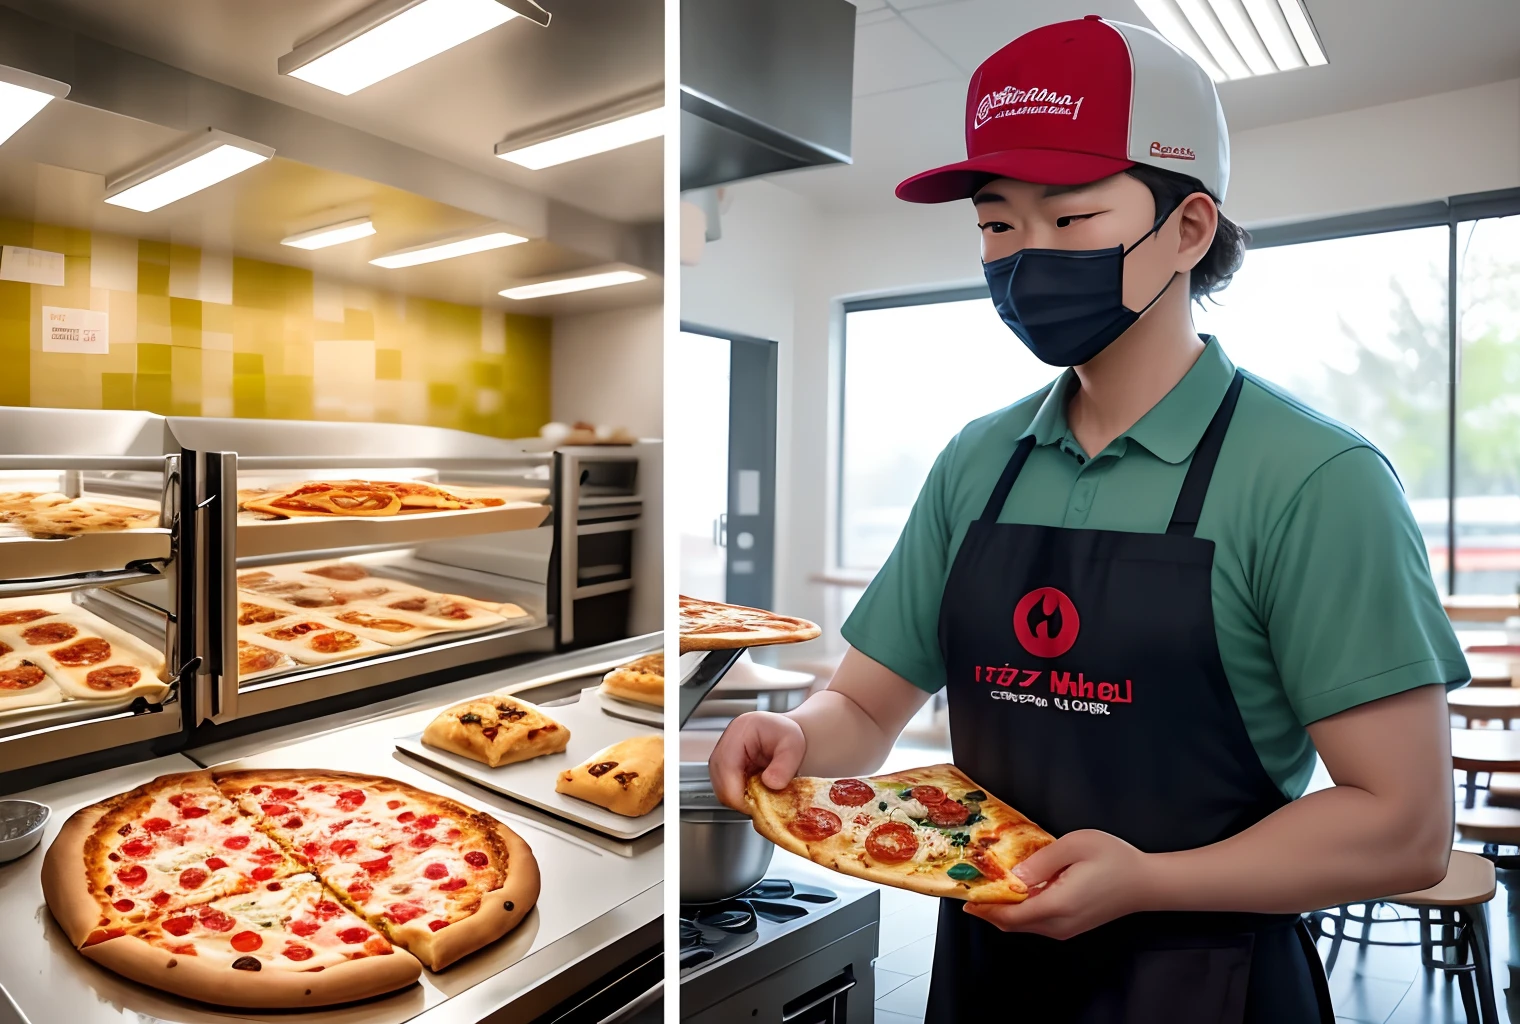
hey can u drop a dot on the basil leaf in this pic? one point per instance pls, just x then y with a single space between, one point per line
975 794
964 872
960 838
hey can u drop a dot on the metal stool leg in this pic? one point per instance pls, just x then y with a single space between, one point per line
1335 938
1426 953
1482 959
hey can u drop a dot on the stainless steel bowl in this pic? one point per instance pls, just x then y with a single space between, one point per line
21 825
721 853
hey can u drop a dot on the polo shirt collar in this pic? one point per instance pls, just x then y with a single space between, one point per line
1171 429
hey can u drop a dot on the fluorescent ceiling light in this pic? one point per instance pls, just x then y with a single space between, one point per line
391 36
333 234
582 140
210 157
565 285
1239 38
446 250
22 96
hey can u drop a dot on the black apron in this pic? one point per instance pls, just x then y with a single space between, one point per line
1086 689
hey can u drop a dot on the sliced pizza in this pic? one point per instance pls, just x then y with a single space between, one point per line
627 778
642 680
931 830
312 640
496 730
712 626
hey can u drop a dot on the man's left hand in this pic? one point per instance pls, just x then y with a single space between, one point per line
1090 878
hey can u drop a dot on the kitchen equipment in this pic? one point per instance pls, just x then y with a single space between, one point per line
617 707
21 825
697 683
721 853
532 781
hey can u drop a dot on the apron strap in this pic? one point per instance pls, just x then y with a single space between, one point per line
1195 486
1005 482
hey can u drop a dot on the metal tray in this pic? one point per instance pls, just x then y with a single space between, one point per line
33 558
617 707
532 782
295 536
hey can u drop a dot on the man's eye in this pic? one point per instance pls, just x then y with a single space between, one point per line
997 227
1066 221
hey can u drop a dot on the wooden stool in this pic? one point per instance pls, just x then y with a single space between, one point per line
1483 750
1496 826
1485 704
1488 671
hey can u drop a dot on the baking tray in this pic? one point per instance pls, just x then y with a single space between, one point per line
34 558
620 708
532 782
308 533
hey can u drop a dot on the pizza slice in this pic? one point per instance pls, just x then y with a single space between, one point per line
73 516
319 498
88 658
642 681
437 611
254 660
286 943
23 683
311 640
627 778
496 730
930 830
713 626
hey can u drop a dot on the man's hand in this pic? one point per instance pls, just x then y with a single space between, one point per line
1089 877
755 742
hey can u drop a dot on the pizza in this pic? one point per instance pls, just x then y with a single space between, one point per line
713 626
930 830
284 889
254 660
47 515
642 680
83 656
359 498
627 778
311 640
496 730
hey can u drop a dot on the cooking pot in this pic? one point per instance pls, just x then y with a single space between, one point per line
721 853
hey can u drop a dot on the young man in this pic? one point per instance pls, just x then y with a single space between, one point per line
1207 582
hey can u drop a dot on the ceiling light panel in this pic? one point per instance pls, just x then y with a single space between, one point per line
1234 39
389 37
565 285
210 157
447 250
22 97
333 234
588 141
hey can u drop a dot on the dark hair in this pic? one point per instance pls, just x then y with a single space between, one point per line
1228 250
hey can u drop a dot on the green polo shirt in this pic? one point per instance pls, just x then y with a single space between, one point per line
1323 597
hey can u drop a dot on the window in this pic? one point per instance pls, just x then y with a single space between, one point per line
1353 316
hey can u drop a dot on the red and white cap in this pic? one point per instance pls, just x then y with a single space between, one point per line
1073 102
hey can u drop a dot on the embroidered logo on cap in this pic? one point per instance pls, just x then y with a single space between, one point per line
1172 152
1011 102
1045 622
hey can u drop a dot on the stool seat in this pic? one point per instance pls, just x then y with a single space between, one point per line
1489 825
1485 750
1469 879
1504 789
1485 702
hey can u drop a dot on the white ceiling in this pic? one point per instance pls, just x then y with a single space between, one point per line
914 57
457 105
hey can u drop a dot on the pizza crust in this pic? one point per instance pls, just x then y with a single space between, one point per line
642 680
644 756
501 910
65 880
193 978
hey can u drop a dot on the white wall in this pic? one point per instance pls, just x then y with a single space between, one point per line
608 369
782 268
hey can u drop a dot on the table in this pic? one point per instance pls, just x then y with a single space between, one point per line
1483 750
1481 607
1488 670
1486 703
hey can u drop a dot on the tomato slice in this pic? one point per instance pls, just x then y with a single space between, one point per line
852 793
949 813
928 795
814 824
892 843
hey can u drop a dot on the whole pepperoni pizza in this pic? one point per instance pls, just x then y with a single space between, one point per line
277 889
931 830
714 626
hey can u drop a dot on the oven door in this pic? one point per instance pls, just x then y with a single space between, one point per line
632 993
826 1004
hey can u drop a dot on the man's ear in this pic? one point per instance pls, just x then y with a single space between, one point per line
1197 219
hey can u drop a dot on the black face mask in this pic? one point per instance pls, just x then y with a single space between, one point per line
1066 305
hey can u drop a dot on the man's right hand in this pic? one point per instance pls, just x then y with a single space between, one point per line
759 741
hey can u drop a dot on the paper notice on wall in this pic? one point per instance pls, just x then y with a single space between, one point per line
74 330
34 266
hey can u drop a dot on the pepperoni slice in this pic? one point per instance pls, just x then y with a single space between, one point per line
360 890
25 615
113 677
263 873
215 863
476 859
305 927
138 847
344 847
452 884
48 633
949 814
296 951
401 913
334 642
246 942
327 910
160 898
134 876
179 925
427 821
406 816
90 651
433 926
435 871
23 677
393 804
216 920
852 793
293 822
158 824
354 936
350 800
814 824
421 841
377 946
377 865
927 795
235 842
892 843
193 812
284 793
192 878
274 810
124 905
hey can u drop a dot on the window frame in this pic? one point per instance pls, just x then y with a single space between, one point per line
1451 212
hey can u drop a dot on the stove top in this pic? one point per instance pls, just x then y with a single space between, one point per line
711 931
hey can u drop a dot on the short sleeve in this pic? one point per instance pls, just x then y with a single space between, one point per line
896 621
1351 610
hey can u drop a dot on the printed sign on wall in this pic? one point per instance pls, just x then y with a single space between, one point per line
74 330
33 266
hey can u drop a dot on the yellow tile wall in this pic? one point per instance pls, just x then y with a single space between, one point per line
194 333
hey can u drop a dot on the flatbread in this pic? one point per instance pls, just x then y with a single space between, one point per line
311 639
714 626
87 657
929 830
255 660
51 514
326 498
24 683
642 680
496 730
627 778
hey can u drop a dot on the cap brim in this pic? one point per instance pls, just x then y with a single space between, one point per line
1040 166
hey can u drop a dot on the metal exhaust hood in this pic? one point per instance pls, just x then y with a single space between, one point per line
765 87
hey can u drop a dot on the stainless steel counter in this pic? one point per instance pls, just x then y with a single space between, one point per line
601 901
